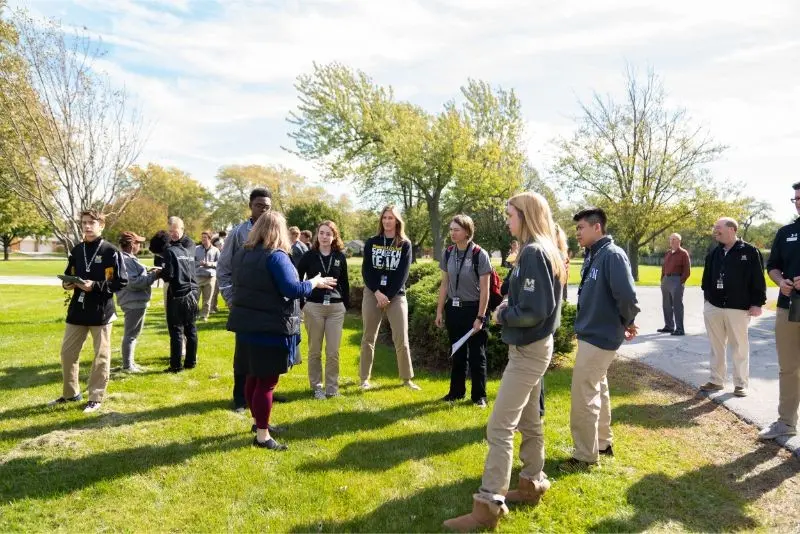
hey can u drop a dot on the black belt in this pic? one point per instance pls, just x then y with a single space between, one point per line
463 303
672 275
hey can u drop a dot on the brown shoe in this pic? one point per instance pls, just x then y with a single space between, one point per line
484 515
529 491
711 386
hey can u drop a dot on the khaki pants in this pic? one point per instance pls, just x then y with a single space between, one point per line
727 326
787 340
517 407
324 322
74 338
397 313
590 412
206 286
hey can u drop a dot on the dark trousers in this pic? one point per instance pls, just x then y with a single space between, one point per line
259 394
672 302
239 380
181 312
458 321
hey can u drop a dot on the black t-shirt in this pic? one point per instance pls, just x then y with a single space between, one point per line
335 265
785 256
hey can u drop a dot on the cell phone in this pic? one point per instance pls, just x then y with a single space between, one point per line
70 279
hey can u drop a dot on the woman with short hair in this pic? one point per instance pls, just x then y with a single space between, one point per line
265 314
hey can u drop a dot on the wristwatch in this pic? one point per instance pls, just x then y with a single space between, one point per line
481 317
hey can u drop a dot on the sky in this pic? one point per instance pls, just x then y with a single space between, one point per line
214 79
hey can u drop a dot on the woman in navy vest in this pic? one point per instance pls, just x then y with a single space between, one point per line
265 314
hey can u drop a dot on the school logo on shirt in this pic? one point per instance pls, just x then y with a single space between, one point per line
336 263
792 237
530 285
98 259
593 273
386 258
744 257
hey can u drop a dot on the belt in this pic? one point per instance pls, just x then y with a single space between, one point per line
464 302
673 274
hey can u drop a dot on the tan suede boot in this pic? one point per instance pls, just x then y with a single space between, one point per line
529 491
484 515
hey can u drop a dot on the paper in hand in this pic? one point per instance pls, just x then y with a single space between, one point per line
460 343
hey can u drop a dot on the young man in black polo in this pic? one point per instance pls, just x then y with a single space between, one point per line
100 267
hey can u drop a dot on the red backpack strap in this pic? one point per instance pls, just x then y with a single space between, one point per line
447 252
476 251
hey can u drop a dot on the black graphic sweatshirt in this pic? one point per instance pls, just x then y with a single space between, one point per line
382 258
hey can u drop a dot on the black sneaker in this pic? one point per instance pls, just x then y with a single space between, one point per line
450 398
62 400
189 365
678 333
664 330
270 444
173 369
608 451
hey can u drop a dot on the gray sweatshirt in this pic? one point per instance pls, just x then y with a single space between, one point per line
607 302
236 238
534 299
210 256
135 295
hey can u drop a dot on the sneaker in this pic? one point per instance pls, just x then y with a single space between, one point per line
333 394
411 385
711 386
678 333
451 398
270 444
776 430
62 400
173 369
573 465
91 406
608 451
366 385
739 391
664 330
480 403
240 409
319 394
133 369
272 429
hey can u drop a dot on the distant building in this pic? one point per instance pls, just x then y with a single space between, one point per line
355 246
32 245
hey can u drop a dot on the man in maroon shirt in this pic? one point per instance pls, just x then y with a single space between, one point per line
674 273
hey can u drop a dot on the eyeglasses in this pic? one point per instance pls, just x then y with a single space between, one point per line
265 207
796 199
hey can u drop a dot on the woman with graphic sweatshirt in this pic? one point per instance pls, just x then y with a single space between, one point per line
529 317
387 258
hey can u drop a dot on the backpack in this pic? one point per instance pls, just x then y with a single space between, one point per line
495 297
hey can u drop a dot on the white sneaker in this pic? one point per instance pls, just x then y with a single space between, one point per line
411 385
91 407
776 429
366 385
319 394
132 369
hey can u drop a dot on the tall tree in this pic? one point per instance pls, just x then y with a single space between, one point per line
308 215
18 219
395 151
753 211
642 162
74 135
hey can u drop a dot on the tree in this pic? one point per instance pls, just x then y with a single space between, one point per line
72 135
463 157
308 215
18 219
641 162
234 183
144 215
754 211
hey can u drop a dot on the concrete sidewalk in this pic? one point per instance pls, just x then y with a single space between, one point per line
687 357
30 281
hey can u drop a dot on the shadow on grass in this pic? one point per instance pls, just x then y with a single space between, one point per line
423 511
112 419
709 499
678 415
382 454
38 477
27 376
334 424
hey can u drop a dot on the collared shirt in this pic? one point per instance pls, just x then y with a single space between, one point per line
677 262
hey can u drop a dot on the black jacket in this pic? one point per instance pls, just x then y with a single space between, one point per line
186 242
383 258
106 270
313 263
179 271
742 274
785 256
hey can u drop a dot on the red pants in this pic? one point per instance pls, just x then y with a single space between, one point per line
258 393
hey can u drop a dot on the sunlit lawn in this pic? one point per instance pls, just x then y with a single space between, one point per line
167 454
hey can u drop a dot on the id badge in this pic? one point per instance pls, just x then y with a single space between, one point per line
456 302
384 280
326 300
81 297
720 284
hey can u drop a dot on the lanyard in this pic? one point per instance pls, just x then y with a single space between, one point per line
330 260
88 263
461 264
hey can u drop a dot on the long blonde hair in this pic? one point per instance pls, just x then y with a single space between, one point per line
399 226
270 231
537 226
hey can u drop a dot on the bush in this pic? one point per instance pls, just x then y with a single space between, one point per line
420 270
356 286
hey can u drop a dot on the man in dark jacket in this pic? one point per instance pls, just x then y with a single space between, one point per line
178 270
99 266
607 308
734 290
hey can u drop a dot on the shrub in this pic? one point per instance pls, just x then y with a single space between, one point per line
420 270
356 286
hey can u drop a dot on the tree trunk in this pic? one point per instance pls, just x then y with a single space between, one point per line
416 252
6 248
633 257
436 227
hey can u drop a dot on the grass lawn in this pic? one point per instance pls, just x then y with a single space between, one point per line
166 454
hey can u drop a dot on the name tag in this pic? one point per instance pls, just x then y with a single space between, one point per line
456 302
326 300
384 280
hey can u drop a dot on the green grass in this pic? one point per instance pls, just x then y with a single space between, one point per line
49 267
167 454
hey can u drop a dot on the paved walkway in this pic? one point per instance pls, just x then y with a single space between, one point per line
687 357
